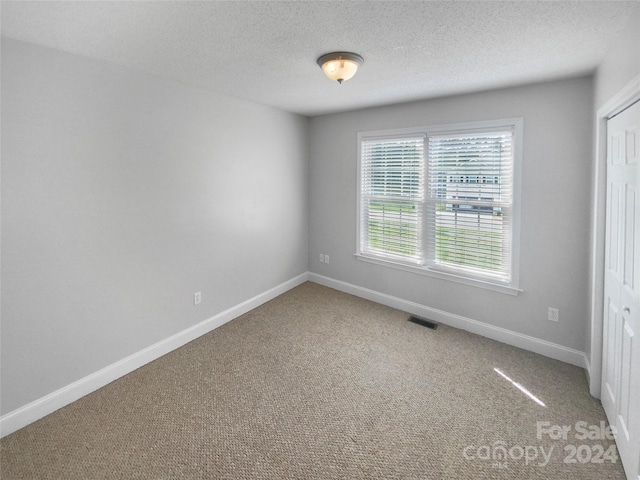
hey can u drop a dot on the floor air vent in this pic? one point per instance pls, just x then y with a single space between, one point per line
423 322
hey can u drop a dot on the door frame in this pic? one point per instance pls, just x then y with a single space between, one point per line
624 98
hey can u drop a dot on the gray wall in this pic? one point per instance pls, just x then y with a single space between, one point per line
555 206
621 63
122 194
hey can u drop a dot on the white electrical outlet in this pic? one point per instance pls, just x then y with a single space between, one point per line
326 259
197 298
322 258
553 314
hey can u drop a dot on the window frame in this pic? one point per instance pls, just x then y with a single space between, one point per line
516 125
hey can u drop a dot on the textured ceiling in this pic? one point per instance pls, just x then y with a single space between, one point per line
266 51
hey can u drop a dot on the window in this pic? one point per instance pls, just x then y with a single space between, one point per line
443 201
392 197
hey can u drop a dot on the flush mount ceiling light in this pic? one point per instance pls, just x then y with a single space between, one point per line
340 66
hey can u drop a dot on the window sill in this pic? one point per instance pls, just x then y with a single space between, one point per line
496 287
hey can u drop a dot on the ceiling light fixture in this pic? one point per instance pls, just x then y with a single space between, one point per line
340 66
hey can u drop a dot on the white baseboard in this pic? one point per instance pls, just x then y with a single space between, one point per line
526 342
587 372
37 409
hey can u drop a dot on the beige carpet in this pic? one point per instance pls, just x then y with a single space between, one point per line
317 384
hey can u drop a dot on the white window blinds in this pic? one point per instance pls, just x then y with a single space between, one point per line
443 201
392 198
469 203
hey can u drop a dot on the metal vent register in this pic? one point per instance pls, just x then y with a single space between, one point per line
423 322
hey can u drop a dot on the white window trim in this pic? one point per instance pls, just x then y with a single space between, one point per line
517 124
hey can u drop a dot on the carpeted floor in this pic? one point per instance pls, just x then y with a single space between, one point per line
317 384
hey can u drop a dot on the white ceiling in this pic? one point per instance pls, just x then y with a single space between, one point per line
266 51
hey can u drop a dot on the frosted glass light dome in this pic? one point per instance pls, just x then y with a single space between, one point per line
340 66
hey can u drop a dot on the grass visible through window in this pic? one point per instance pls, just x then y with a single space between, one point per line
469 248
393 228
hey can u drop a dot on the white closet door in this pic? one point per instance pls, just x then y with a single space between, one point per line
621 342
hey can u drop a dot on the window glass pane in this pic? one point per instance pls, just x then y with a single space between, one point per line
470 191
391 198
